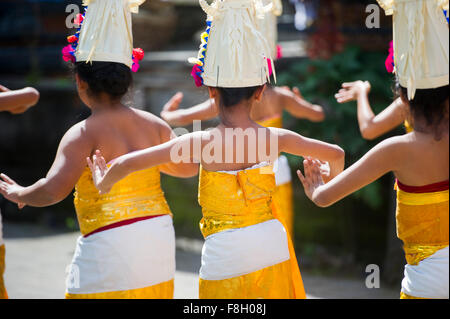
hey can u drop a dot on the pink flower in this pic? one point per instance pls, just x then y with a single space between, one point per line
390 59
269 63
135 67
68 54
196 71
78 19
279 52
138 54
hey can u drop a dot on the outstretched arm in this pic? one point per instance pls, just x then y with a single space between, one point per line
379 161
293 143
17 101
61 178
371 125
176 117
178 150
297 106
183 170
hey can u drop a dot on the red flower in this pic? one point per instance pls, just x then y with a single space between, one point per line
72 39
78 19
138 54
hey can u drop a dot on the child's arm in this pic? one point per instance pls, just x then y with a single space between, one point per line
61 178
371 125
17 101
293 143
183 170
176 117
385 157
296 105
179 150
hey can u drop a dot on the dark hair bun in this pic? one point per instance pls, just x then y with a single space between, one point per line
429 104
233 96
111 78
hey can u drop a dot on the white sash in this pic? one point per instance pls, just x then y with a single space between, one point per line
242 251
130 257
429 279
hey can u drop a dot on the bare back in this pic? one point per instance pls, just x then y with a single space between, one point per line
122 131
229 149
425 160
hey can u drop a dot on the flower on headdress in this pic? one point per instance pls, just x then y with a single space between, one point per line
78 19
135 67
138 54
269 64
279 52
68 54
390 65
196 74
72 39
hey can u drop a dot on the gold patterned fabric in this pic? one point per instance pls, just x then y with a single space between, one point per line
3 293
137 195
408 127
230 201
282 201
164 290
283 196
276 121
422 223
268 283
236 201
405 296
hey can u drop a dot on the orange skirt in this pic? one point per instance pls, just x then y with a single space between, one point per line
3 293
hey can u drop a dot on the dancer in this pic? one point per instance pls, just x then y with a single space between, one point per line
127 247
247 252
268 112
15 102
418 158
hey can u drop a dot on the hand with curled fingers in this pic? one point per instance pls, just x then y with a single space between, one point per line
11 190
312 179
99 168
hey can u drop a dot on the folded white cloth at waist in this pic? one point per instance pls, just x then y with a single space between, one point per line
282 171
428 279
130 257
242 251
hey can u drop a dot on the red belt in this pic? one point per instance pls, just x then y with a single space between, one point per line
120 224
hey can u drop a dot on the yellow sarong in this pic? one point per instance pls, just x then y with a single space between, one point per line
423 226
128 247
283 196
3 293
241 205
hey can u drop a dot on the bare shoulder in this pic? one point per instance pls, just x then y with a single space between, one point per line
78 135
150 118
396 148
154 123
